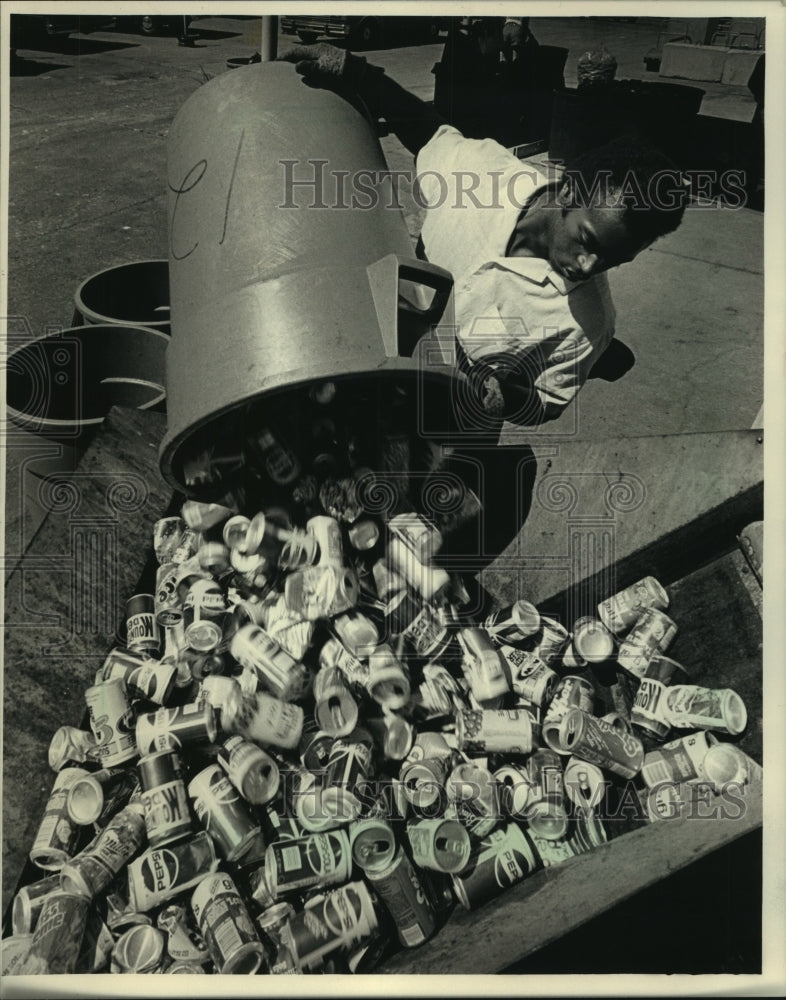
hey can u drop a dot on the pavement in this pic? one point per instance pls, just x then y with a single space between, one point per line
89 119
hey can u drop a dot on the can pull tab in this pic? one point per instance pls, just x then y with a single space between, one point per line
449 846
377 847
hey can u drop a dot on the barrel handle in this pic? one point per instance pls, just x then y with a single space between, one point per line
385 276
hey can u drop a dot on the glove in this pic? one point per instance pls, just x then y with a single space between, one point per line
324 65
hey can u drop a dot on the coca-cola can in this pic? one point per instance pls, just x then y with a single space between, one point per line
600 743
220 810
174 728
112 722
623 609
142 631
167 816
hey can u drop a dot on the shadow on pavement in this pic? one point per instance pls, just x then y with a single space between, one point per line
31 67
68 46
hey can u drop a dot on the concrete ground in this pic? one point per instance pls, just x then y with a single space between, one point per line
88 126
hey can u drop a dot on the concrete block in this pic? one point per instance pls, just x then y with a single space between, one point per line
738 66
693 62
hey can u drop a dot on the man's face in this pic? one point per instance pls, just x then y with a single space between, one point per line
586 241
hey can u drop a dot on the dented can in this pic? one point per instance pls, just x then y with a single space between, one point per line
90 872
279 672
653 633
473 799
531 679
57 834
95 797
139 951
546 813
57 938
70 746
29 902
335 710
226 926
619 612
600 743
388 679
686 706
678 760
514 624
570 692
168 606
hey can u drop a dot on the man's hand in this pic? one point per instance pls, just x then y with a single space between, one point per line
324 65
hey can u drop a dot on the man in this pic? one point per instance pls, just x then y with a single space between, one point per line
528 255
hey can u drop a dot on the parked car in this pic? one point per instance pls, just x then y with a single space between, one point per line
152 24
365 31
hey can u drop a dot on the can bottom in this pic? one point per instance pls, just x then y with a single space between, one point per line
245 961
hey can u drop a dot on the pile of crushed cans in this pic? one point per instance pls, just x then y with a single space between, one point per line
305 755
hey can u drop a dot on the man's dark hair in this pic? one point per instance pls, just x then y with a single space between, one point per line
632 173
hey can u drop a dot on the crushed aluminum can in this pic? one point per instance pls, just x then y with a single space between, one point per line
600 743
201 516
58 835
57 938
184 944
267 720
653 633
226 926
686 706
678 760
550 642
570 692
623 609
592 642
168 605
725 763
357 633
70 745
91 871
393 734
420 536
530 678
484 665
335 710
167 537
139 950
150 679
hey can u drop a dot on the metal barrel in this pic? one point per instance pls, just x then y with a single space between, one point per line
267 291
